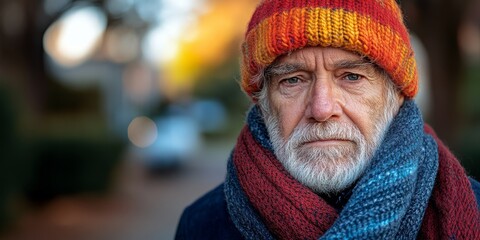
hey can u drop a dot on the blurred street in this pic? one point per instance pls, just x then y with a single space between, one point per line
140 206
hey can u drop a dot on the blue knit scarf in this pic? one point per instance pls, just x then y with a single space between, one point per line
387 202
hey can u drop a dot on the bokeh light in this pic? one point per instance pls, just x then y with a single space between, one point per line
76 35
160 44
142 132
469 40
121 44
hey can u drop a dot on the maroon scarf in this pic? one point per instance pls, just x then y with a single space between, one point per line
452 209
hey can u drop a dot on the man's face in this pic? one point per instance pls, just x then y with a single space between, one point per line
326 110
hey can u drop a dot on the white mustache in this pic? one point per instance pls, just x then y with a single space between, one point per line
325 131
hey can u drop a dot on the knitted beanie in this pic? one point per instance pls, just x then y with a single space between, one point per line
371 28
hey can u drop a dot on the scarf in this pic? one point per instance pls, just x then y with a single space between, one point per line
414 187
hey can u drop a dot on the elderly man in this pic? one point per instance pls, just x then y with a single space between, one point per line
334 146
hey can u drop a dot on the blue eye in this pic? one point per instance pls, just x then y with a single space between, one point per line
292 80
352 77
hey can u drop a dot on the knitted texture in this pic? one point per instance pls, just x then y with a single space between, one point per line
371 28
388 202
245 218
441 219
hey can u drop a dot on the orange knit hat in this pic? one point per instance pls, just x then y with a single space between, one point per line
373 28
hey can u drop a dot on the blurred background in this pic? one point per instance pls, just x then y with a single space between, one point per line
116 114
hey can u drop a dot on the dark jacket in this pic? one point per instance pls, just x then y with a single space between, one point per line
208 218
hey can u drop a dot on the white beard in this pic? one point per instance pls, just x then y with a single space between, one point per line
328 169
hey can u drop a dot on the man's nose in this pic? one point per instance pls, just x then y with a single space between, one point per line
324 101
